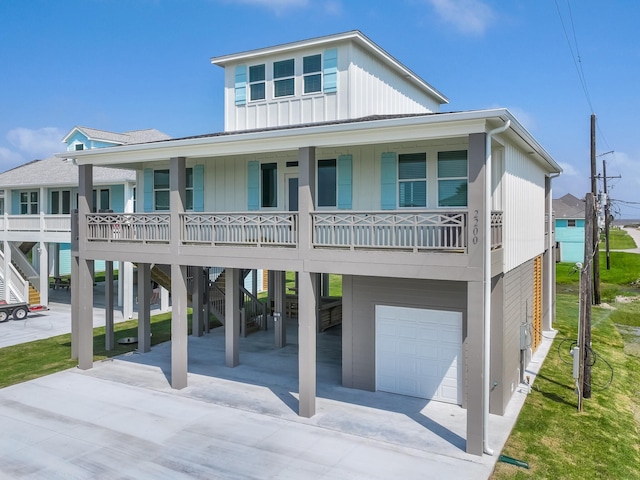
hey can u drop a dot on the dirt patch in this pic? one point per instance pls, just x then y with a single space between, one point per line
624 299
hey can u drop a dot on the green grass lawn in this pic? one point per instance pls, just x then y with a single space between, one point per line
27 361
602 441
618 240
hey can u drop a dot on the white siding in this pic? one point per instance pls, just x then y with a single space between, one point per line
524 190
376 89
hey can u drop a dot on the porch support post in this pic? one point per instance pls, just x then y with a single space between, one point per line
232 317
83 283
7 269
280 309
307 310
44 273
144 308
108 306
474 360
125 277
179 326
548 265
75 306
325 284
197 320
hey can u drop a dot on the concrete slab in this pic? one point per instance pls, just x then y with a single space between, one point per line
122 419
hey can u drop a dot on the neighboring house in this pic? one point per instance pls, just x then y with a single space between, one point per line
569 213
38 198
335 159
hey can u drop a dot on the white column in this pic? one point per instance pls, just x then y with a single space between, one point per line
307 310
164 299
44 273
7 271
179 327
232 317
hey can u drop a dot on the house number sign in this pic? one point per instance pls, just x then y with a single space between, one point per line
476 229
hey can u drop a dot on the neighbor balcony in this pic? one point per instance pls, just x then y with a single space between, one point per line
42 227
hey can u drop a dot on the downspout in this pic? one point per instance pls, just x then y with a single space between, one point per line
487 286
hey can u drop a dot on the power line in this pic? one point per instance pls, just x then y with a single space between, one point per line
576 61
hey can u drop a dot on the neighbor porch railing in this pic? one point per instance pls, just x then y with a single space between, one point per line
496 229
35 223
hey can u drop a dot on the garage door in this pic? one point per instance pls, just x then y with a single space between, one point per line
418 352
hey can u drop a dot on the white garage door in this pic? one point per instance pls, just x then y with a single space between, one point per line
418 352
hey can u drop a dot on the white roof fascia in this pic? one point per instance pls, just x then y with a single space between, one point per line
354 35
328 135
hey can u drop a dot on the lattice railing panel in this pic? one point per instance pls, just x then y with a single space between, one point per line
129 227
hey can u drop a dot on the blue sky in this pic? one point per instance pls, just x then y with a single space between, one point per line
132 64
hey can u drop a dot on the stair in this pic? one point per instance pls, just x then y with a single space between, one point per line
34 296
25 247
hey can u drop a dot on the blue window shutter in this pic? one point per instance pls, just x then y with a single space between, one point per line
345 182
388 178
241 84
117 198
330 70
15 202
198 188
148 190
253 185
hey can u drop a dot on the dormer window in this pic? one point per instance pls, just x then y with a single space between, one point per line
312 72
79 146
257 82
283 78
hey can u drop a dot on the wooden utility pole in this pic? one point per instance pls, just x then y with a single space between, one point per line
584 339
606 214
595 232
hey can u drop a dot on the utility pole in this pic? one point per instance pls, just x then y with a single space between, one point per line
584 330
595 233
606 214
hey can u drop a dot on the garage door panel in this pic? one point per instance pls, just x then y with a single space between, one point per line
417 352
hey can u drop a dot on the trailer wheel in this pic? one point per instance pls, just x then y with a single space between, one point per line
20 313
3 316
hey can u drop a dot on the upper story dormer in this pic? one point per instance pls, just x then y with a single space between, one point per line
334 78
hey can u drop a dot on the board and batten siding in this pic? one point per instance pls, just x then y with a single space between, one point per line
360 297
524 215
376 89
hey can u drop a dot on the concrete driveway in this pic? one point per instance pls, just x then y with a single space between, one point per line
121 419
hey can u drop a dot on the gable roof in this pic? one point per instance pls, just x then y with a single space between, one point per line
568 206
53 172
355 36
126 138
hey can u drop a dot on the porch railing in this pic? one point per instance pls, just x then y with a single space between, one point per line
413 231
36 223
496 229
256 229
129 227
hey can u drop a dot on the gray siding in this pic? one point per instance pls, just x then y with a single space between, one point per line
362 294
517 310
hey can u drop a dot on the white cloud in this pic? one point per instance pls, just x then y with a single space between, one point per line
40 143
471 17
9 159
568 170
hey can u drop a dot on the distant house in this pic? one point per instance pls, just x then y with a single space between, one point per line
569 215
336 159
36 202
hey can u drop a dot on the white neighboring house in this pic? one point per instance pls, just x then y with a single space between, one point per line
36 203
336 159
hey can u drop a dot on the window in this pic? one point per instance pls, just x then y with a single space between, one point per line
79 146
189 190
29 203
452 179
102 202
161 189
256 82
327 183
1 202
269 174
283 79
312 73
571 223
412 180
60 202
